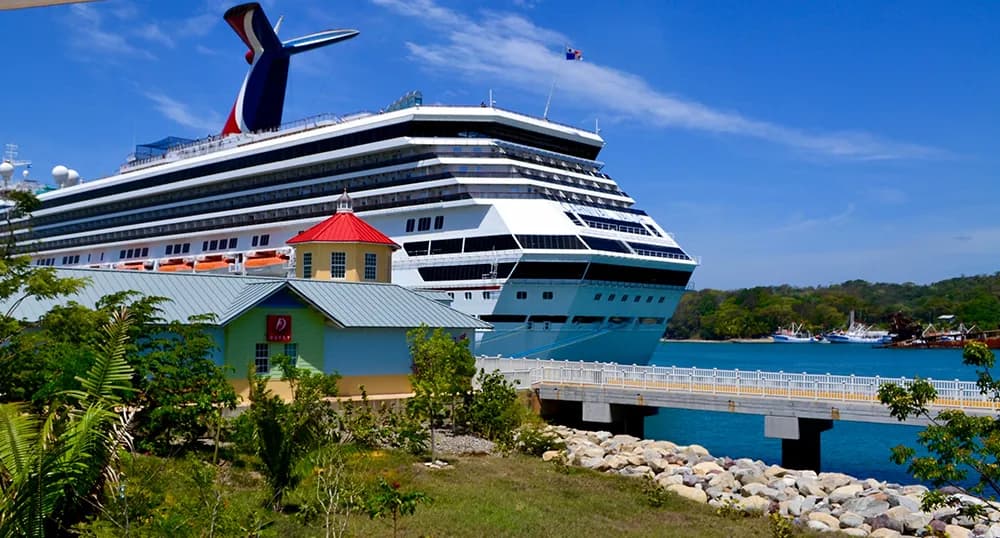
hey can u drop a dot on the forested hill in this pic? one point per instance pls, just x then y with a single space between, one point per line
755 312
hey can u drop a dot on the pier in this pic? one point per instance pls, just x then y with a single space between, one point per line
797 407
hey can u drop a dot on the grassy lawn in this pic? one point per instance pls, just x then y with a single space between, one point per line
475 496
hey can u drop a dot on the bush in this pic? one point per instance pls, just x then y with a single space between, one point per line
494 411
535 440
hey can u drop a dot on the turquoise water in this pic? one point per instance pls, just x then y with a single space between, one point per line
855 448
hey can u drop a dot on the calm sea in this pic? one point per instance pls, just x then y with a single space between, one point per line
855 448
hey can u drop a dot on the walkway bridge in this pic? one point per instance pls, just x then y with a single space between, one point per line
796 407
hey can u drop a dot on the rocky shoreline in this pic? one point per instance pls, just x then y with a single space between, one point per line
818 501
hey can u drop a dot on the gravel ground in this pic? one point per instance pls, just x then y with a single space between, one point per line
462 444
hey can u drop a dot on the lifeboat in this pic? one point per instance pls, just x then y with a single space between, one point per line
267 260
174 265
213 263
133 266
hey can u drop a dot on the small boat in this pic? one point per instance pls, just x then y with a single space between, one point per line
795 334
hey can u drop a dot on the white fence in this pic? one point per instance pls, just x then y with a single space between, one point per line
525 373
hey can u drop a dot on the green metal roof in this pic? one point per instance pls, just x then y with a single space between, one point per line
348 304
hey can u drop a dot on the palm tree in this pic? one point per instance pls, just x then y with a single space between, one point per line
53 467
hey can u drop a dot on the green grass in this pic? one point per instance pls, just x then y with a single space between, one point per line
475 496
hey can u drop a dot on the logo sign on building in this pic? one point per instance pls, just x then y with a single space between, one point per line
279 328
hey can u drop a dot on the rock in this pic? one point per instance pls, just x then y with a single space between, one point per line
954 531
832 481
593 463
993 532
550 455
659 464
916 489
592 451
854 532
911 521
775 471
792 507
707 467
693 494
650 454
752 489
884 533
825 518
850 520
724 480
980 530
909 503
637 470
601 436
809 486
818 526
749 475
883 521
844 493
635 460
696 450
614 461
691 480
937 525
865 506
667 479
753 503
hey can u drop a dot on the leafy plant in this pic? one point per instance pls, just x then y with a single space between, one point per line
955 443
654 494
494 410
535 440
335 492
389 500
780 526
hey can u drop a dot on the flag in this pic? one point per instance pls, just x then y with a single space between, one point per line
573 54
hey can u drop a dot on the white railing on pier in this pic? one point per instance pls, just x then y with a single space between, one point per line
525 373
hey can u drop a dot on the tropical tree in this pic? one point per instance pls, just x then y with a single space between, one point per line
958 449
53 466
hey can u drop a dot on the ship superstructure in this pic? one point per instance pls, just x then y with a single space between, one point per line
509 214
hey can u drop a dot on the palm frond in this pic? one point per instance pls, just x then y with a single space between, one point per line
18 441
110 371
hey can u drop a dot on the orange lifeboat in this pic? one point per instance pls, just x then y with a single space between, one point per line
131 266
212 263
266 259
176 265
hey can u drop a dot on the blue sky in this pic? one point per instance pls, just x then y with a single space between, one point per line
782 142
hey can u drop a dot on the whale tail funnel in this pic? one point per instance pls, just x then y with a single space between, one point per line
262 97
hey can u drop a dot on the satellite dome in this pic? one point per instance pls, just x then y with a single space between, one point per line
6 170
72 177
60 174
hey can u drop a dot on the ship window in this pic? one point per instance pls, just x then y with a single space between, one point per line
599 243
644 249
522 295
487 294
307 265
186 247
338 265
490 242
587 319
128 253
446 246
649 299
551 242
102 256
624 298
170 249
416 248
547 295
213 245
451 294
661 299
145 251
253 240
264 240
468 295
611 297
261 359
439 222
476 271
638 298
574 218
409 225
424 224
597 296
204 245
232 242
550 270
371 266
503 318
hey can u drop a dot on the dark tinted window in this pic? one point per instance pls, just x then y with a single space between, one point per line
643 275
424 224
410 224
645 249
550 319
490 242
599 243
446 246
503 318
551 241
416 248
550 270
464 272
439 222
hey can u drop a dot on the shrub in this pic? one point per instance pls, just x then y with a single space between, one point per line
494 411
535 440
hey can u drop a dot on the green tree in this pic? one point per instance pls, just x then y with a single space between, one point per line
494 411
53 466
956 444
285 431
390 500
442 373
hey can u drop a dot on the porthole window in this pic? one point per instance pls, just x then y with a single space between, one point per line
547 295
522 295
661 299
611 297
597 296
468 295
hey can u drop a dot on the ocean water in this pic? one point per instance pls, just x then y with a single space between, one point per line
856 448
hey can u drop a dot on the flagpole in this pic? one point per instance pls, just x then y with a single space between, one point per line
552 87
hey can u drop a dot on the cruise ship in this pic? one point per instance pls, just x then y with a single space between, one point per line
511 215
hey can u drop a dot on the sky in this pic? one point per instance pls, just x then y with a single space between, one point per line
803 143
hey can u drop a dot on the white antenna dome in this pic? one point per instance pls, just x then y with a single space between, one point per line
25 173
72 177
60 174
6 170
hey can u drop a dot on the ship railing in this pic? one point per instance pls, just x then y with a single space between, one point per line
953 394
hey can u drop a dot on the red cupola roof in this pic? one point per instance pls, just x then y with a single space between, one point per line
343 227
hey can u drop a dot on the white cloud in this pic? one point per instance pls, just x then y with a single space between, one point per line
94 42
153 32
514 49
181 113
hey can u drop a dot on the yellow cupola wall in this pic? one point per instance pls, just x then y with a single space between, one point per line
343 247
